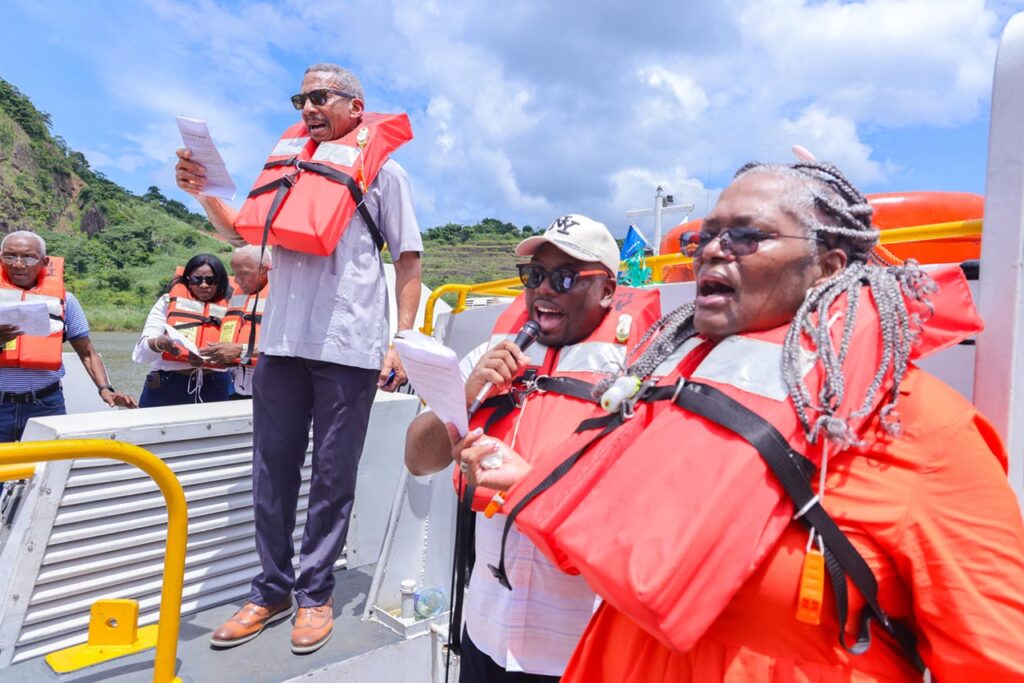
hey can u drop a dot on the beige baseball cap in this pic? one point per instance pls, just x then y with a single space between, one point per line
578 236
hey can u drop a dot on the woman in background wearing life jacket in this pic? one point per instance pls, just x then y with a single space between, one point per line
707 568
194 308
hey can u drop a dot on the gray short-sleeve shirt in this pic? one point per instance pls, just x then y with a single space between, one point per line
334 308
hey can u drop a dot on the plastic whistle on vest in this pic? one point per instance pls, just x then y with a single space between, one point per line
536 413
37 353
669 514
307 193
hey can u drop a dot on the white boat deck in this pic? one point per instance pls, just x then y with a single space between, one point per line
268 658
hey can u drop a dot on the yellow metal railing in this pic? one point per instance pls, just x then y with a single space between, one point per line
657 264
23 453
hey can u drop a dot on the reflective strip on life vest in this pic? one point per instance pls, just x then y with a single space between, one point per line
676 357
753 365
342 155
592 357
289 147
189 305
217 311
241 301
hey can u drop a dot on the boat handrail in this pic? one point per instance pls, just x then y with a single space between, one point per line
512 286
26 452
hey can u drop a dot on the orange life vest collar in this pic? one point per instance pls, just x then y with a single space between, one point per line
308 192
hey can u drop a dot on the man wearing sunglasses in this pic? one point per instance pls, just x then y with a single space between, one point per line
31 368
323 354
570 291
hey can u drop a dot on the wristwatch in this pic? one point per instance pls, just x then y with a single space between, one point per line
105 386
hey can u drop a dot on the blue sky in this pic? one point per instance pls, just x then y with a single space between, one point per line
527 110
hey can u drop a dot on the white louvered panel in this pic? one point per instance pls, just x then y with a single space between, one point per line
96 529
114 541
110 529
113 472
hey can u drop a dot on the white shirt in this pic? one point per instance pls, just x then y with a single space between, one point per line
535 626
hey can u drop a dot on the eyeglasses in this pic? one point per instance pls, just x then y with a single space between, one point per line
11 259
318 97
739 241
197 280
561 279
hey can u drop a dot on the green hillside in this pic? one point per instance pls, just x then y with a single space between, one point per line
121 249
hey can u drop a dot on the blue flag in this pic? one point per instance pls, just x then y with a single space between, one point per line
634 244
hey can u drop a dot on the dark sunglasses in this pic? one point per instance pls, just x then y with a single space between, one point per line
561 279
318 97
196 280
739 241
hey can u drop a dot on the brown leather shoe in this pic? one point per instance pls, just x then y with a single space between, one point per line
313 628
249 622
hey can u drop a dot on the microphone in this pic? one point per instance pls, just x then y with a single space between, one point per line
527 335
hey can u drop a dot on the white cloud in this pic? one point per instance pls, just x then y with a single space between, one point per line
526 110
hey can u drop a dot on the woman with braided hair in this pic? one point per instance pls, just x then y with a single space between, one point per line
681 507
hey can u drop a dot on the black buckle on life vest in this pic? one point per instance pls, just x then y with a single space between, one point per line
526 385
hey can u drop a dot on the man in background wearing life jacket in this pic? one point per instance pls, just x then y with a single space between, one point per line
528 633
250 280
323 353
31 367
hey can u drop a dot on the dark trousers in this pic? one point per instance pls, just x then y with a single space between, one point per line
477 667
14 416
289 394
165 388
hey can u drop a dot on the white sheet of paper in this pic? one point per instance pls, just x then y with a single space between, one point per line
181 339
196 137
433 371
31 317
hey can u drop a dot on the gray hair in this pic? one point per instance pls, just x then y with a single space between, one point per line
251 252
28 234
347 80
829 207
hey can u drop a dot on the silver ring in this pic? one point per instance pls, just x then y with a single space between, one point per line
464 466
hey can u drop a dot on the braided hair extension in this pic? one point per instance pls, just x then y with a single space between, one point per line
672 330
831 209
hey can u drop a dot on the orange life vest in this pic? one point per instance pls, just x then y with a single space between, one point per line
196 320
240 320
37 353
552 394
667 515
307 193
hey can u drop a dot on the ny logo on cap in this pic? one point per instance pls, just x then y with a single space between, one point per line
563 224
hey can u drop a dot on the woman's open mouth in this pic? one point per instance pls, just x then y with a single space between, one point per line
713 291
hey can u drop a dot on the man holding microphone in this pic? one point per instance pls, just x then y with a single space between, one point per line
526 631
